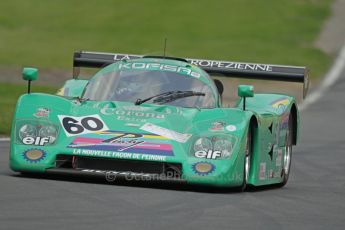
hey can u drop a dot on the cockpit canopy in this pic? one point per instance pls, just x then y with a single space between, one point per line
140 79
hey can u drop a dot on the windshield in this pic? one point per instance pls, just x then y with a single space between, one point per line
131 85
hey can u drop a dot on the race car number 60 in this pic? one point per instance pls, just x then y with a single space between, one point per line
81 125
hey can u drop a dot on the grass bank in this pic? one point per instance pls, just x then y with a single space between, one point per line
45 33
9 95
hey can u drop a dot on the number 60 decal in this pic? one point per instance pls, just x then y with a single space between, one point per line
81 125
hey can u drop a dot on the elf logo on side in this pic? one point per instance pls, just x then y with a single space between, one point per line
210 154
35 141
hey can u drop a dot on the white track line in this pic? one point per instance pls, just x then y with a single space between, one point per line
4 139
331 77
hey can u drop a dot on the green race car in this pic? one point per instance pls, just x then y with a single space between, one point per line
161 119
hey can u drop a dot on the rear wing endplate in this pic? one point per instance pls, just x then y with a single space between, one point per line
223 68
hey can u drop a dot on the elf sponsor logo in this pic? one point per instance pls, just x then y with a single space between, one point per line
40 141
209 154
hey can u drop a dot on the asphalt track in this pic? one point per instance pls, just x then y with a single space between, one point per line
314 198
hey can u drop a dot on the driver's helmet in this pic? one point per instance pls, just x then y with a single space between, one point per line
139 84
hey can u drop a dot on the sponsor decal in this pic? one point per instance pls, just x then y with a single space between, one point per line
203 168
34 155
40 141
280 108
217 126
209 154
121 57
81 125
164 132
135 108
280 103
231 128
231 65
271 173
123 142
262 171
137 115
120 155
158 66
42 112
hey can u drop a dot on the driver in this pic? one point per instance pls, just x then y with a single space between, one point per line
139 84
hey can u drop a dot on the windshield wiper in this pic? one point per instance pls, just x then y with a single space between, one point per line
169 96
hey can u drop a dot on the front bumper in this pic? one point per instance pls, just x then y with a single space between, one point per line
190 170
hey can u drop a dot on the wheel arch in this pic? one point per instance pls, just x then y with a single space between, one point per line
254 125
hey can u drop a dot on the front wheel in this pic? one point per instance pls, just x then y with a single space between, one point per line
247 158
288 152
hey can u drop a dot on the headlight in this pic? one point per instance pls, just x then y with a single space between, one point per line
36 132
214 147
202 144
49 132
224 146
27 130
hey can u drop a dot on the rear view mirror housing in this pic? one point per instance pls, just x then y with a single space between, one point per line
30 74
245 91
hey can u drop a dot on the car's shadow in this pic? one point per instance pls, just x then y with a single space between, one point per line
165 185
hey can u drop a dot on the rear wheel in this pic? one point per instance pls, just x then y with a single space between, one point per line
288 152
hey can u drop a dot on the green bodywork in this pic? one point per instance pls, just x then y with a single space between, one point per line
268 115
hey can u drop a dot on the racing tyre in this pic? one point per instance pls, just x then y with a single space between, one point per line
288 152
247 159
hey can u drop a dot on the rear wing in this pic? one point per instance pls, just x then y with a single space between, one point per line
223 68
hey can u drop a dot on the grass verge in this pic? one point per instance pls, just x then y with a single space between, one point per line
45 33
9 95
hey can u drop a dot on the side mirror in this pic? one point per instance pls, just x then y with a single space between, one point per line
245 91
30 74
